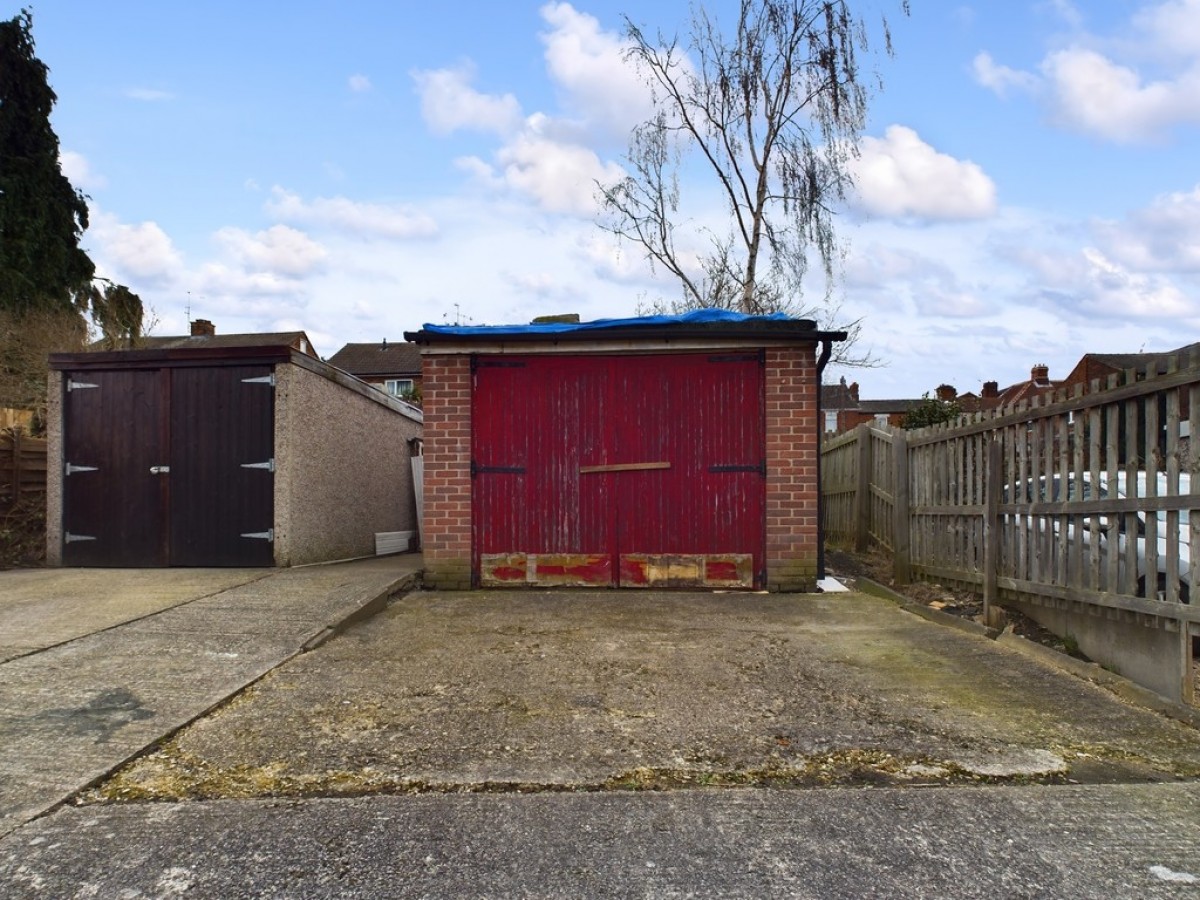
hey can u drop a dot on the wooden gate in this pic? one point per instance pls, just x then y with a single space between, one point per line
170 466
632 471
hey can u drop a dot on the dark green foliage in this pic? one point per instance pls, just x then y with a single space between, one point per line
117 312
42 217
932 411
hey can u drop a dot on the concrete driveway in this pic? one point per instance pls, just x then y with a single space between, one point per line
99 664
42 608
559 691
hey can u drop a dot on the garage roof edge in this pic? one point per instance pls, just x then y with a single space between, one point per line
697 324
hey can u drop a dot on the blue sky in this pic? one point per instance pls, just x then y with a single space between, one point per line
1028 190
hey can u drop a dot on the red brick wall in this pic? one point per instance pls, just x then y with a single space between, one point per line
446 529
791 468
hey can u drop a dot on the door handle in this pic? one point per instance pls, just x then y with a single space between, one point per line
159 470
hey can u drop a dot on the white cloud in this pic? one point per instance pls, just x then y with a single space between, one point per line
341 214
539 284
1145 82
881 273
900 176
360 84
149 95
561 177
588 64
244 291
1067 11
1163 237
140 253
1089 284
279 249
449 103
1172 27
1000 78
1099 97
1114 291
79 171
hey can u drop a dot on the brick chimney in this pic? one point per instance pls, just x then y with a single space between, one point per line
854 391
203 327
991 389
1040 374
946 392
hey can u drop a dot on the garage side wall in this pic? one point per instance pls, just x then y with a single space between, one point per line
791 395
342 469
446 538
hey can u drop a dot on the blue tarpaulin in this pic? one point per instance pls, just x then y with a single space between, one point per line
695 317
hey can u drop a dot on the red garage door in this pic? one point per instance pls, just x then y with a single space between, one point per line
631 471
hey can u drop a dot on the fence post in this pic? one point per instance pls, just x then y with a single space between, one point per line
901 525
991 534
862 490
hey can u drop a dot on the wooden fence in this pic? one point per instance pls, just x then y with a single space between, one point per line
1075 509
22 467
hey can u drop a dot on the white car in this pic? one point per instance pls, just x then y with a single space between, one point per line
1166 532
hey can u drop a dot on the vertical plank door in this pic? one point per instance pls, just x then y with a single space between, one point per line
115 489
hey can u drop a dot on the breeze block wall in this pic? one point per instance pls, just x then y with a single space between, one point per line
446 531
792 532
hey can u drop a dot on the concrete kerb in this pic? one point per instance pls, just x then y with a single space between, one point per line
1086 671
867 586
371 608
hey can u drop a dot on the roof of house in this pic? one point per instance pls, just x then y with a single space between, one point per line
1142 363
838 396
379 359
886 406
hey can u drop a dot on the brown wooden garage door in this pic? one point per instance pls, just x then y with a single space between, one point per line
169 467
628 471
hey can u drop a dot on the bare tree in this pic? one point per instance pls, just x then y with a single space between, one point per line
775 110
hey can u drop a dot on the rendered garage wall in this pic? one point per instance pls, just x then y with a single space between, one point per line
342 466
54 470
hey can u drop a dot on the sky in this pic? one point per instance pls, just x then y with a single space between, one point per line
1028 188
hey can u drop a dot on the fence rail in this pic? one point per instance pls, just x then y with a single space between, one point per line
1076 510
22 467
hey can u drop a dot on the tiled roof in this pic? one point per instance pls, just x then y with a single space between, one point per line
1143 362
837 396
382 358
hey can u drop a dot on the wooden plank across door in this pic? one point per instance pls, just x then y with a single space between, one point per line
114 449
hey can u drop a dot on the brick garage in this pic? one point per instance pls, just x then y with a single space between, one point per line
656 452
